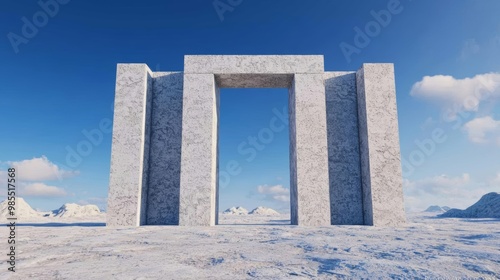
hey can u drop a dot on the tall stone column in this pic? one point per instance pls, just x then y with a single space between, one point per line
379 146
198 182
309 186
165 149
346 194
130 149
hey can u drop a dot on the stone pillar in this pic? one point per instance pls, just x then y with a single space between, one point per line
165 153
198 183
379 146
309 188
346 194
130 148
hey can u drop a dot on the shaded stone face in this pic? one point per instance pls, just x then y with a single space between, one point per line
344 158
346 194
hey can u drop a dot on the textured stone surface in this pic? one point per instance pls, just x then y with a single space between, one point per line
309 188
253 64
379 146
254 80
343 148
198 193
129 156
165 151
344 143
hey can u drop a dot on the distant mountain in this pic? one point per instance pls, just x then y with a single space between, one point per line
69 210
487 207
436 208
22 209
236 211
264 211
72 210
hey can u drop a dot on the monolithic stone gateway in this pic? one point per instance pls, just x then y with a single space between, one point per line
344 143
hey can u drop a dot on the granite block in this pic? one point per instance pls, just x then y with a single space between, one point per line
253 64
165 149
198 184
344 144
130 146
379 146
309 184
346 194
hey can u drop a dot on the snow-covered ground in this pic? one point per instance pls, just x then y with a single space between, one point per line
259 247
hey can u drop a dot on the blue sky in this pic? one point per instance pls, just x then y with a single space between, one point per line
57 84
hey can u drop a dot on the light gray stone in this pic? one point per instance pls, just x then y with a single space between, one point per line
346 194
130 146
344 145
309 188
379 146
198 187
253 64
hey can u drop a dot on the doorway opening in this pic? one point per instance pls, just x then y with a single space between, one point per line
253 156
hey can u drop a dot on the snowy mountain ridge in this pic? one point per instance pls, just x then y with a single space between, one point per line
487 207
236 211
76 211
21 209
437 208
69 210
263 211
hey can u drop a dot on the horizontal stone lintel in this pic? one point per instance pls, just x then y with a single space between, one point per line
254 80
253 64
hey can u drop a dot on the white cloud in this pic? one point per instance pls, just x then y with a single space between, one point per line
458 94
40 169
277 192
278 189
41 189
483 130
457 192
437 184
284 198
